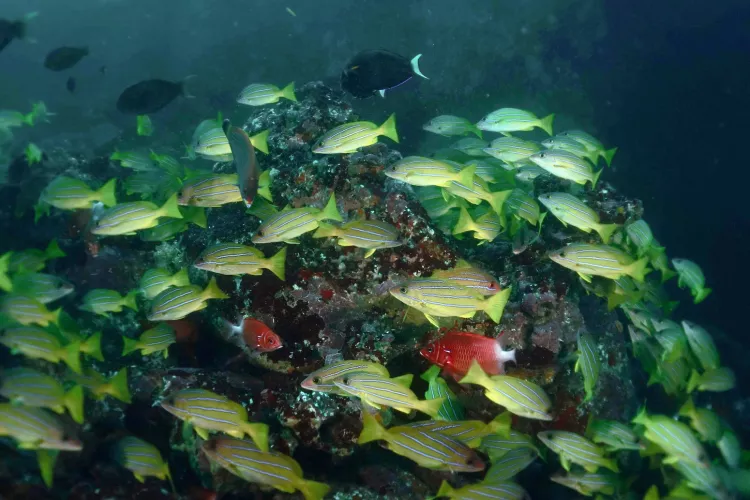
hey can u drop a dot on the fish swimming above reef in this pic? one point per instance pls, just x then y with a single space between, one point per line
245 163
259 94
374 71
150 96
64 58
455 351
256 335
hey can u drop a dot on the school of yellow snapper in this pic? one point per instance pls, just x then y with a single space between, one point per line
492 196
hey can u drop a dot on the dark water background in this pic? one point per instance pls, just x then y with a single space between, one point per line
668 82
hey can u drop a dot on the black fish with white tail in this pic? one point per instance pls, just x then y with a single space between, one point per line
64 58
150 96
243 153
374 71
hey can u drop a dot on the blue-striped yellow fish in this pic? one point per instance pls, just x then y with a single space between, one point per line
705 422
101 386
176 303
572 146
422 171
156 339
573 448
588 363
243 459
67 193
588 483
35 429
28 387
730 447
523 205
134 160
290 223
207 411
640 236
493 171
702 345
498 445
520 397
469 276
471 146
613 435
36 343
142 459
600 260
448 299
103 301
512 149
704 479
234 259
566 165
210 190
486 228
674 343
690 275
45 288
469 432
127 218
674 437
717 380
258 94
477 191
437 388
570 210
154 281
500 490
349 137
428 449
591 144
28 311
449 125
321 380
671 375
369 234
213 144
32 259
435 203
510 464
378 391
506 120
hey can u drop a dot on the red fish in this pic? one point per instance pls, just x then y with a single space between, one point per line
256 335
455 351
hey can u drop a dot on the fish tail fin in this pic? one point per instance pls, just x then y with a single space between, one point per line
107 193
638 269
431 406
118 386
611 464
258 433
74 403
277 263
687 409
330 211
129 345
288 93
53 250
694 381
404 380
495 305
181 278
502 355
264 185
595 178
212 291
465 222
388 128
605 231
71 356
431 374
497 200
184 87
312 490
196 215
608 154
546 123
475 130
54 317
92 346
466 176
446 490
372 430
5 283
475 375
325 230
641 417
46 460
667 274
702 294
168 475
501 423
171 208
415 66
260 141
129 300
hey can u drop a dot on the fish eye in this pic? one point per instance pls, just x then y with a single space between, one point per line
345 380
562 254
271 341
260 232
542 155
316 380
430 349
403 289
494 286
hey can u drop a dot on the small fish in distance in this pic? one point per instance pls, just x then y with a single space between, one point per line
64 58
374 71
245 163
150 96
71 85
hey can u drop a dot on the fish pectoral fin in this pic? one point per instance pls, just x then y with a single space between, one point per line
565 463
203 433
591 468
369 253
368 404
293 241
236 434
432 320
468 315
585 277
139 478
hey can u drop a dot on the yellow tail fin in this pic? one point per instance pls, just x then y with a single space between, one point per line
5 283
546 123
129 345
638 270
118 386
180 278
446 490
330 211
74 403
212 291
53 250
605 231
71 356
475 375
404 380
288 93
46 460
92 346
130 300
259 434
501 423
325 230
371 430
465 222
264 185
260 141
495 305
312 490
276 264
171 208
107 193
388 128
196 215
431 406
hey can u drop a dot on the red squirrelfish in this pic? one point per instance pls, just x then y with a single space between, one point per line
455 351
255 334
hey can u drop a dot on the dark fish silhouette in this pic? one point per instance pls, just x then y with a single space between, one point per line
65 58
149 96
243 152
377 71
10 30
71 85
